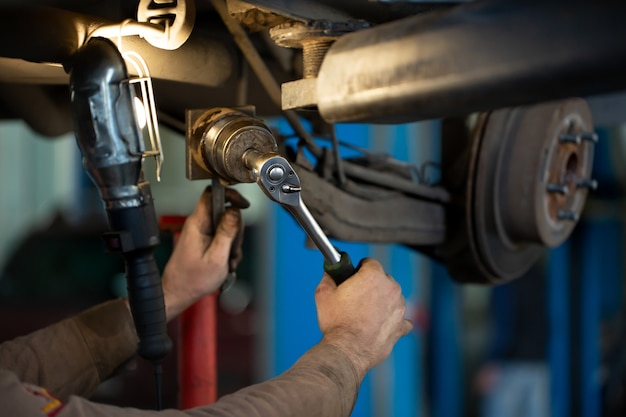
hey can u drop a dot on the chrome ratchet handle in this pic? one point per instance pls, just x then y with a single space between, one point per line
303 216
279 182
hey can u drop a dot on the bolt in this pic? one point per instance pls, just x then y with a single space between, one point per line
569 138
589 137
590 184
276 173
567 215
315 38
557 188
313 53
290 188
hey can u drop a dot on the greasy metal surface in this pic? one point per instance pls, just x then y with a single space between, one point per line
258 14
510 213
314 38
293 34
334 10
390 218
195 126
474 57
299 94
218 138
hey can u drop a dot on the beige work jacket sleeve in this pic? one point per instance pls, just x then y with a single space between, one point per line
323 383
75 355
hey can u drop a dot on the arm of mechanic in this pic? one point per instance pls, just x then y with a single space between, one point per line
75 355
322 383
361 321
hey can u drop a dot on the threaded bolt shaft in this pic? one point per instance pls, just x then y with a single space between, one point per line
313 52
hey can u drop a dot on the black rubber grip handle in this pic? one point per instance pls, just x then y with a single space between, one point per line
145 296
342 270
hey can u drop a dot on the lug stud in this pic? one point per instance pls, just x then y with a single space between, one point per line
567 215
569 138
590 184
557 188
589 137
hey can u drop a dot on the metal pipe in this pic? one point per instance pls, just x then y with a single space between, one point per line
474 57
52 35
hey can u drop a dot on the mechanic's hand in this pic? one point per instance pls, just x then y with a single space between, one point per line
200 262
364 316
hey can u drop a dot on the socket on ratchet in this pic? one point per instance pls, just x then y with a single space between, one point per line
235 147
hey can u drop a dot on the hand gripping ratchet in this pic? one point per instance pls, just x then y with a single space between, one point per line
279 182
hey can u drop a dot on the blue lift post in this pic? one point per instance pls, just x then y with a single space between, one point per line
600 268
601 272
583 291
446 374
596 233
294 271
559 354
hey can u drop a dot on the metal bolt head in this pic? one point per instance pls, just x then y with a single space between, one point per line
276 173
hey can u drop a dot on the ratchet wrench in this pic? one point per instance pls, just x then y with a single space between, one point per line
279 181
